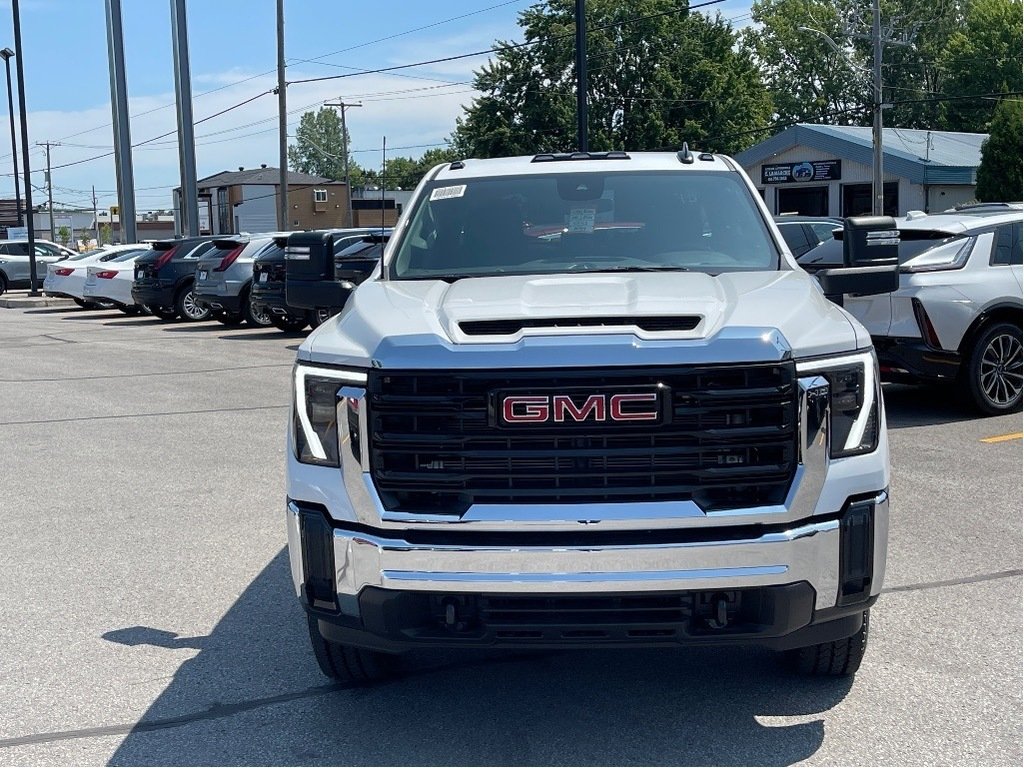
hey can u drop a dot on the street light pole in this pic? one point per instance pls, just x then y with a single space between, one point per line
189 201
7 53
18 52
49 183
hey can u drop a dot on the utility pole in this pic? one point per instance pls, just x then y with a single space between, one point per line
879 38
877 187
122 128
282 125
95 216
189 201
340 103
49 182
19 54
581 75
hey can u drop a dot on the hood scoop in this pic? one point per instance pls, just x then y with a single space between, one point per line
511 327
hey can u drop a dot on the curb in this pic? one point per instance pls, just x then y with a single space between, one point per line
29 302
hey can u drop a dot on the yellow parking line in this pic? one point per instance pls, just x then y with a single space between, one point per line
1003 438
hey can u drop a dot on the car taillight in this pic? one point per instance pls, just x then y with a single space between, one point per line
165 257
63 271
229 259
107 274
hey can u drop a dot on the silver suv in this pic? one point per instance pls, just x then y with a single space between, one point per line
224 279
15 269
957 313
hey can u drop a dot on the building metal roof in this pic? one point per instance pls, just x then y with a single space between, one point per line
923 157
268 175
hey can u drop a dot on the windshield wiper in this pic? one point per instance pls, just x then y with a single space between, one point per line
641 268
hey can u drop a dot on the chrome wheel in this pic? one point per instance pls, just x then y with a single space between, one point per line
1001 372
259 316
191 310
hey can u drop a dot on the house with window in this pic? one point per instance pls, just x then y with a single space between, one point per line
825 170
246 201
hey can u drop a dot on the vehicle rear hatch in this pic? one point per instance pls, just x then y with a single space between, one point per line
212 267
360 258
269 267
148 265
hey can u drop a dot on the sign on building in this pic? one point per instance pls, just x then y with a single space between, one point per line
814 170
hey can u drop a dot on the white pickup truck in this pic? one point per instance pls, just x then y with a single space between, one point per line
588 400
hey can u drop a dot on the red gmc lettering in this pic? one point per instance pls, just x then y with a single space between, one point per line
525 409
619 401
563 404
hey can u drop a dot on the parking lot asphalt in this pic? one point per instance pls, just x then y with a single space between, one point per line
148 616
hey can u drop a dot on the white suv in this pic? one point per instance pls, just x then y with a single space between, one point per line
957 313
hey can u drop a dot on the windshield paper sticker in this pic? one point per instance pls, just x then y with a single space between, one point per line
582 219
446 193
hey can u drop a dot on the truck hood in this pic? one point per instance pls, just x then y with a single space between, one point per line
584 319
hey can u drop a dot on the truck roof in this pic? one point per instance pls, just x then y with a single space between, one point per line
586 163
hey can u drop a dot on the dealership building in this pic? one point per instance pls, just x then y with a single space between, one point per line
825 170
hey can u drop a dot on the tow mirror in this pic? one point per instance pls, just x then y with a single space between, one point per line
870 259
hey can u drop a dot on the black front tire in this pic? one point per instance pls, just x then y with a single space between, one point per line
3 283
317 317
257 318
839 658
993 370
347 664
188 309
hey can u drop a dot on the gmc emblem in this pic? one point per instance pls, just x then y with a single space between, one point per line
595 408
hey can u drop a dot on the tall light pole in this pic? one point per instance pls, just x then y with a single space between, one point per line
49 182
340 103
18 52
7 54
282 125
189 201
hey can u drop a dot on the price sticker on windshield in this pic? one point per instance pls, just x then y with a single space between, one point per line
446 193
582 219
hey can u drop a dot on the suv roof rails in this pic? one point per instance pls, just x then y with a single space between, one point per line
554 157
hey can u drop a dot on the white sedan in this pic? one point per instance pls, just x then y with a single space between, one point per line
112 280
67 277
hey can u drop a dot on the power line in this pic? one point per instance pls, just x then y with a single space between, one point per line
498 49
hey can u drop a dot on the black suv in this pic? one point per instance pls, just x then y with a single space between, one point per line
270 274
164 279
267 292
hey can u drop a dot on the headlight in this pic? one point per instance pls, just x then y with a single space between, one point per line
948 256
854 400
315 412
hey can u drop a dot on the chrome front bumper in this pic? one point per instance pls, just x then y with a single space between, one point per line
808 553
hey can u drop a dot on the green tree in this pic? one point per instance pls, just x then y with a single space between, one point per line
405 172
63 235
999 175
106 234
982 56
807 80
319 148
658 76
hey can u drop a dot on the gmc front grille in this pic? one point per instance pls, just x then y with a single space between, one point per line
730 439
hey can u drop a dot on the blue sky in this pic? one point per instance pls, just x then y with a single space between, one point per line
233 55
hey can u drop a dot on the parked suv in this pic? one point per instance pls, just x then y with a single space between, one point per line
957 314
310 262
590 400
224 279
268 289
15 269
802 233
164 279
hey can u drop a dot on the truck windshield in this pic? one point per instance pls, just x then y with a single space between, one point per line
584 222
